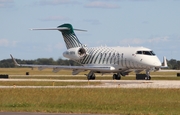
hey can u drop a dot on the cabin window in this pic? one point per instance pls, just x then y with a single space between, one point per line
139 52
152 53
146 53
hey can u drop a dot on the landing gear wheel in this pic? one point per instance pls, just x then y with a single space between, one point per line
148 78
116 77
91 77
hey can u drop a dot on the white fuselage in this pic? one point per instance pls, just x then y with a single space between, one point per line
119 57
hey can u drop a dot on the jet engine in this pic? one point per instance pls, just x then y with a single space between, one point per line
75 53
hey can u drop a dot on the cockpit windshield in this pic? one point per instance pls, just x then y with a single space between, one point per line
146 53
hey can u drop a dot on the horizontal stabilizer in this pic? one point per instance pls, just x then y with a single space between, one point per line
80 30
59 28
62 28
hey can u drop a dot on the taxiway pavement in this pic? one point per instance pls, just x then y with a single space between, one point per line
104 83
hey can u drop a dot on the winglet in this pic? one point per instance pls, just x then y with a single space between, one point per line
164 64
15 62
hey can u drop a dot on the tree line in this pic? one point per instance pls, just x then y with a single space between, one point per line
173 64
8 63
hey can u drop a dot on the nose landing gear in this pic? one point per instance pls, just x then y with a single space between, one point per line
148 77
144 76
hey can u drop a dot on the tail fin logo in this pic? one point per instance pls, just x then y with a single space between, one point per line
69 36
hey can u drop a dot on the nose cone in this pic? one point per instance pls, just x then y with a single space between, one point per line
155 62
151 61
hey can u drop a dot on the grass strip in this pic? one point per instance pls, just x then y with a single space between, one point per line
45 83
105 101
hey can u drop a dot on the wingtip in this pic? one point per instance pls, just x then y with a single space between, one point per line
80 30
15 62
164 64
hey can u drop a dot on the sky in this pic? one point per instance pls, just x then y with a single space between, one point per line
154 24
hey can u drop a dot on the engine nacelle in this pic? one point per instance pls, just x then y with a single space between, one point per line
75 53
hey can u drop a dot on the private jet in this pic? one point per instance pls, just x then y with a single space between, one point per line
119 61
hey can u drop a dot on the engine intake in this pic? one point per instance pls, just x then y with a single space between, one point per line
75 53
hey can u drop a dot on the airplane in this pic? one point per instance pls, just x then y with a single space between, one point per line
117 60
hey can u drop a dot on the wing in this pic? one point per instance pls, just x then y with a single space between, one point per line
76 69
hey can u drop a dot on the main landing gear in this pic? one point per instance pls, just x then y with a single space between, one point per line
116 76
91 76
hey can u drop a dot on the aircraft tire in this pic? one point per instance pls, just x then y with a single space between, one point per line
89 77
148 78
92 77
118 78
114 76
